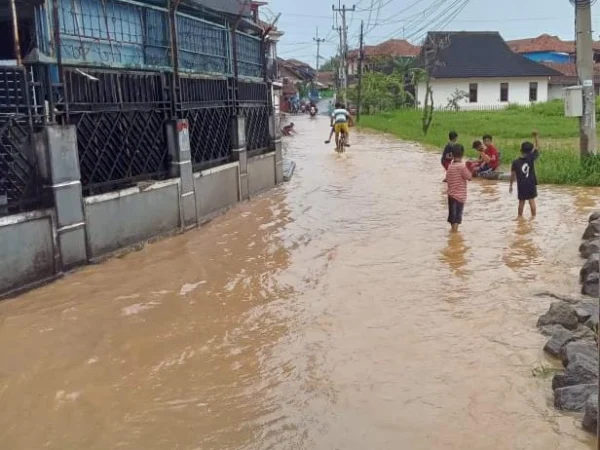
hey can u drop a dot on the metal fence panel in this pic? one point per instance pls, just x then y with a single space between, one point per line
208 107
203 47
249 55
20 185
120 119
113 33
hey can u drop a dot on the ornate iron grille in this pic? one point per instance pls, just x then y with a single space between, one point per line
120 119
253 104
20 186
208 107
249 55
257 127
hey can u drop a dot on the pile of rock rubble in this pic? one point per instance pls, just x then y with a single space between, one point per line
572 324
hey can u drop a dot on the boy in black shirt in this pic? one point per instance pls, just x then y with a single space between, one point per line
447 155
523 172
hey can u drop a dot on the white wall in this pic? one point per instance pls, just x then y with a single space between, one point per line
556 92
488 94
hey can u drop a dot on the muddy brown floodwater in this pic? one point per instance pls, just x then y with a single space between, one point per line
334 312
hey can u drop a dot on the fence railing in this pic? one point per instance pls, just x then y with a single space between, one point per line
117 82
20 184
208 107
120 119
253 104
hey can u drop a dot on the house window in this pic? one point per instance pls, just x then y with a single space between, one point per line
473 93
533 91
503 92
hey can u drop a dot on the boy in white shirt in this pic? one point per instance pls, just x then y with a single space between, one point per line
339 123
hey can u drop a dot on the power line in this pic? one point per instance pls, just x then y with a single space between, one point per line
442 19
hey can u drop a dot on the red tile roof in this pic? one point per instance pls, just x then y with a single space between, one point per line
394 48
545 43
569 70
326 78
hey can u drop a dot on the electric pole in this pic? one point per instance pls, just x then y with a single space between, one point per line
344 44
318 41
360 71
585 72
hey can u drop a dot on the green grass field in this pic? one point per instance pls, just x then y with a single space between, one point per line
559 142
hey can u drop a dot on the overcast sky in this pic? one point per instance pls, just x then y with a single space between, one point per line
514 19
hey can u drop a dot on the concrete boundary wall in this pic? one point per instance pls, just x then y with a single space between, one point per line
28 250
216 190
124 218
40 245
261 173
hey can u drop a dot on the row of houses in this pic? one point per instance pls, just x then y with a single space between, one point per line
485 69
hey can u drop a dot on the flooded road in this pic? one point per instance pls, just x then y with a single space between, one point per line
335 312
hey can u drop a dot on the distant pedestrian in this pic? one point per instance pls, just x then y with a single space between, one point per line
289 130
447 153
523 172
457 177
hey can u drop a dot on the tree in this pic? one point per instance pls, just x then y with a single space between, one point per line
330 64
430 59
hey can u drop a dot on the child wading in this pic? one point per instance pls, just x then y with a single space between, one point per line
447 153
457 176
523 172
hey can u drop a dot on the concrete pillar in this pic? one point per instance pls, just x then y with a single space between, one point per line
240 153
56 147
178 138
275 131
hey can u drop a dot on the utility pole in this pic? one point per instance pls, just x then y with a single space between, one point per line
361 57
318 41
344 44
585 72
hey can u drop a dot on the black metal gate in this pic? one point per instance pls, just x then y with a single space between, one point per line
253 104
120 118
20 185
208 106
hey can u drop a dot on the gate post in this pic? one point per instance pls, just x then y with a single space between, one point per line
240 152
275 132
178 141
56 148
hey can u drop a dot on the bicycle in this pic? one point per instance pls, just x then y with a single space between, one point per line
341 145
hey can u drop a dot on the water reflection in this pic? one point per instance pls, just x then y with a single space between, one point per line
455 254
523 254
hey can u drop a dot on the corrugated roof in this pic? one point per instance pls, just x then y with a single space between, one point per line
468 54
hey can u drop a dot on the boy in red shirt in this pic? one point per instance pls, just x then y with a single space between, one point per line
457 177
489 158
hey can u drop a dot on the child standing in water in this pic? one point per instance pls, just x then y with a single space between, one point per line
447 153
523 172
457 177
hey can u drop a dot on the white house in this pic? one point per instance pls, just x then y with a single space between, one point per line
483 68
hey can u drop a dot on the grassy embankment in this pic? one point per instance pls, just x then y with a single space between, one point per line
558 164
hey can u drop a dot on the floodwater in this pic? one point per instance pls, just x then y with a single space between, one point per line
334 312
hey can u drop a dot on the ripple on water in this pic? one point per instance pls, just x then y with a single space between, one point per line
334 312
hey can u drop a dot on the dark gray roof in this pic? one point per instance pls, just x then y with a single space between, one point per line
467 54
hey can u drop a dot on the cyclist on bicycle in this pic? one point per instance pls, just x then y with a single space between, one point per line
339 123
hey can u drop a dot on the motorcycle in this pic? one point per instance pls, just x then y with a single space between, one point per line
313 111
